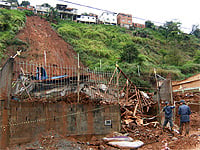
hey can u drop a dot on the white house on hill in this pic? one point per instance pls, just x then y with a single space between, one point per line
42 9
87 19
108 18
6 5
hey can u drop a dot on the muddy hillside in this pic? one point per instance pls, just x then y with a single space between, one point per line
41 40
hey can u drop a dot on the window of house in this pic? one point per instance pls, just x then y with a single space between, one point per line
129 21
123 20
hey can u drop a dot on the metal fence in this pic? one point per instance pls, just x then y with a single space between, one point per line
51 82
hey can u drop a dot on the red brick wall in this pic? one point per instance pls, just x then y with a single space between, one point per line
124 19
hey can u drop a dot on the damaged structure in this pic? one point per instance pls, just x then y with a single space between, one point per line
70 100
36 98
75 101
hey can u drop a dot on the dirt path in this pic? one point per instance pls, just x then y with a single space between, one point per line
42 38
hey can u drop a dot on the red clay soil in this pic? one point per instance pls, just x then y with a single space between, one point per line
40 37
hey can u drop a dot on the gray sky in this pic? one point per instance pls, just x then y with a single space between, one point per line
185 11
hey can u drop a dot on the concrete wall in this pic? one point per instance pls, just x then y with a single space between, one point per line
6 75
29 119
165 91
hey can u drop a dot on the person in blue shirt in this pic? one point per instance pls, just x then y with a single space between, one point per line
168 115
184 112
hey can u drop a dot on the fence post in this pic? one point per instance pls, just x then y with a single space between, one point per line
157 96
78 79
171 97
117 87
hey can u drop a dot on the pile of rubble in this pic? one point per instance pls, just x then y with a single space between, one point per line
51 140
189 96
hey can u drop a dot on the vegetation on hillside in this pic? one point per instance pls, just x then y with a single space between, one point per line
137 51
11 21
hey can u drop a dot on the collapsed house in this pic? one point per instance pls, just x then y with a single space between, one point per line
71 100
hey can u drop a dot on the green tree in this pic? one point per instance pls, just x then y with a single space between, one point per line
130 53
5 18
140 32
172 30
175 57
25 3
197 57
53 15
163 52
46 5
149 24
195 31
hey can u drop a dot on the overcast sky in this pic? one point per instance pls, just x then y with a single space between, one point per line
185 11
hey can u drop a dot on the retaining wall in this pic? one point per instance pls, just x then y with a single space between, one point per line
27 120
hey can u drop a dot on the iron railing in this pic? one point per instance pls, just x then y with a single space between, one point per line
51 82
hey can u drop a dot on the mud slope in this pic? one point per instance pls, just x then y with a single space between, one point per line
41 37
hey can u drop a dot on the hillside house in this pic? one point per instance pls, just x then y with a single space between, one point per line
138 25
29 8
124 20
90 18
189 84
65 12
108 18
42 9
5 5
14 5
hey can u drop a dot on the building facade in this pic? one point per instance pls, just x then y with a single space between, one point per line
29 8
138 25
189 84
108 18
66 12
5 5
42 9
124 20
90 18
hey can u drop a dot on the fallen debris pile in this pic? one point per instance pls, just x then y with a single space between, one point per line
188 97
51 140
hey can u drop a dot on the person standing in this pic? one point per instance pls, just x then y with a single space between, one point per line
184 112
168 115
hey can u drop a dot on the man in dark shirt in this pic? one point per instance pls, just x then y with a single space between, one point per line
168 115
184 112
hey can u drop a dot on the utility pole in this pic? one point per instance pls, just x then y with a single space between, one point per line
171 97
